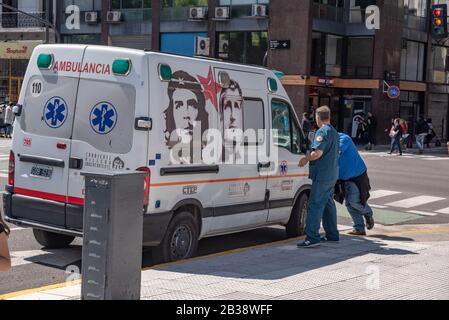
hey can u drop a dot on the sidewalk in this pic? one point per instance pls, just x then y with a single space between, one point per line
437 151
401 262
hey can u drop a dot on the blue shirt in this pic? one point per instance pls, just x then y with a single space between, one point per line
325 169
351 163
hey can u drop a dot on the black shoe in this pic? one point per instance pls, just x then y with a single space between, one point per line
357 233
307 244
326 239
369 222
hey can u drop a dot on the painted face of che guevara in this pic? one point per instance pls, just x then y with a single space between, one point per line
185 109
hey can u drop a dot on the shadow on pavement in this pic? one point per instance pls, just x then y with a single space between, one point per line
284 260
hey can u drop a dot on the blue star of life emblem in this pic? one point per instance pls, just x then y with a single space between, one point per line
55 112
103 118
283 168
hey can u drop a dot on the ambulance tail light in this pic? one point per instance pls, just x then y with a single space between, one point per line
11 168
146 195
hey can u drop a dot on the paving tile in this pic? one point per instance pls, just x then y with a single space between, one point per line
243 296
177 295
69 291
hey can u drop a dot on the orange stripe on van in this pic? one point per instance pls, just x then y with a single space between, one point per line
177 183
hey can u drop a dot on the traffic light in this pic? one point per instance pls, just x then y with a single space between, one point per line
439 21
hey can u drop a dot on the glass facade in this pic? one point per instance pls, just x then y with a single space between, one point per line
440 65
329 10
415 13
243 47
412 60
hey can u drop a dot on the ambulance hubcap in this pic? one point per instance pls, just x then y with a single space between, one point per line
181 242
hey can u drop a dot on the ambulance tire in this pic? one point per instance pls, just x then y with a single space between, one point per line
180 240
297 225
52 240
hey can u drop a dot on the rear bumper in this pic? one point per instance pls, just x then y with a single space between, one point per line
67 219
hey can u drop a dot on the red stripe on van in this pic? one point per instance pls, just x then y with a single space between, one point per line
76 201
39 194
49 196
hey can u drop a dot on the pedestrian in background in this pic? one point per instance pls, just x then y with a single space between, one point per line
395 135
353 186
306 124
371 122
404 131
431 134
422 130
324 174
5 258
9 120
2 118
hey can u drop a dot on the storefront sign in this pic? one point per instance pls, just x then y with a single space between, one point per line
325 81
279 44
17 49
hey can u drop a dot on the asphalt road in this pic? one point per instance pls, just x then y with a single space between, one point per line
393 179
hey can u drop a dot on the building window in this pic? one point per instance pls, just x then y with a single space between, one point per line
359 58
328 10
243 47
412 60
184 3
357 10
130 4
415 12
326 54
440 64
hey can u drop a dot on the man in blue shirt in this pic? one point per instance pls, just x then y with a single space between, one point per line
324 174
354 179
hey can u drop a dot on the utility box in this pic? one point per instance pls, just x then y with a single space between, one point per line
112 243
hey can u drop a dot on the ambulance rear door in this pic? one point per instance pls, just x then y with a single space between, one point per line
42 136
110 106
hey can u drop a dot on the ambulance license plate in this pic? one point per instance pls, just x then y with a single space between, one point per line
42 172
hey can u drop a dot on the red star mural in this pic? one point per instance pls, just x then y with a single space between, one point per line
210 87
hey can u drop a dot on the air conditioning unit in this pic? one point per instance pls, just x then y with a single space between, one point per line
223 49
114 16
202 46
259 10
198 13
91 17
222 13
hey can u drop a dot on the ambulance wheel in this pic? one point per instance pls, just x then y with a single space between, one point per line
52 240
180 241
297 224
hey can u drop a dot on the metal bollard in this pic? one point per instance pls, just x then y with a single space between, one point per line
112 241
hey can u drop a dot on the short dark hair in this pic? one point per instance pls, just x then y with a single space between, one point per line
324 113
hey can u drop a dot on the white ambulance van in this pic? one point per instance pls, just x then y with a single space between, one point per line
103 109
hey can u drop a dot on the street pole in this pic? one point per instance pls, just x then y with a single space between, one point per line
43 21
47 17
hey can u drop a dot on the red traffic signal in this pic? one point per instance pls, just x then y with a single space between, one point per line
437 12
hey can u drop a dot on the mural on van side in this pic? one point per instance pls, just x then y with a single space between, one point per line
231 118
186 109
231 113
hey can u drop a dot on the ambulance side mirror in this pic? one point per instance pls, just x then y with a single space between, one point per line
17 110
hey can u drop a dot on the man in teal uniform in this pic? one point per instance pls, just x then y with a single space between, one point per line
324 174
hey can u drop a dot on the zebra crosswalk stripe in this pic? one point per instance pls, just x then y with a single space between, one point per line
414 201
376 194
444 211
